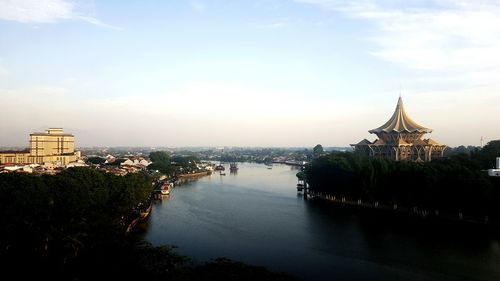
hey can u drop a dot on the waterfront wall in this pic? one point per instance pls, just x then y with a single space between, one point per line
413 211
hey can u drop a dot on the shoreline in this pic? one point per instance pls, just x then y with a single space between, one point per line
195 175
415 212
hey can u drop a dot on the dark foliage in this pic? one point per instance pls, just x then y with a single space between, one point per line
453 184
171 166
53 222
160 156
96 160
486 156
72 227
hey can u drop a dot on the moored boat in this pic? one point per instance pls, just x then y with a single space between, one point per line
165 188
233 167
219 168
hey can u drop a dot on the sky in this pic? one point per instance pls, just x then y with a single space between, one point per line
247 73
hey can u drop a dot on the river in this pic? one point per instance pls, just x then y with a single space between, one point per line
256 216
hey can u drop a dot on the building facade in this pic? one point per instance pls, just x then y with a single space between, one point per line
53 146
400 138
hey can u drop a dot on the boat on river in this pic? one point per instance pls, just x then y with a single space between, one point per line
166 187
233 167
219 168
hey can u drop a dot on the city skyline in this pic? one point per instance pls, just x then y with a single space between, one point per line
247 73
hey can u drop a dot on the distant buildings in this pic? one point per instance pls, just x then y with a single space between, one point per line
136 161
53 146
400 138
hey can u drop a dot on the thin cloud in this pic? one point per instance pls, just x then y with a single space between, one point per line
452 48
35 11
97 22
44 11
438 35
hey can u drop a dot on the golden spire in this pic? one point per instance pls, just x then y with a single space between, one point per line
400 122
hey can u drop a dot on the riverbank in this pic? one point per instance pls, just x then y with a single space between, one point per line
71 226
414 212
195 175
256 217
141 217
142 214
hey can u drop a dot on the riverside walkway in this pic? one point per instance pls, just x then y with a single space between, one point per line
415 211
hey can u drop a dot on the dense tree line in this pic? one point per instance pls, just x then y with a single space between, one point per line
51 221
163 162
71 226
260 155
457 183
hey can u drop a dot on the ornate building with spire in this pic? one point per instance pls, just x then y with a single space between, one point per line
400 138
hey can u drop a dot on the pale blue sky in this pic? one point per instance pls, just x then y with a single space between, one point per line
247 73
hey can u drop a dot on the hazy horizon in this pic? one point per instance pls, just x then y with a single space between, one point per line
211 73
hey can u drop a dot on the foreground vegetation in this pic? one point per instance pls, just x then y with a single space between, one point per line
455 184
72 227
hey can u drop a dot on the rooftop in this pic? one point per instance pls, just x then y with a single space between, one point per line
400 122
52 132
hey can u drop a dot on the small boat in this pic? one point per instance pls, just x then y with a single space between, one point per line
219 168
165 188
233 167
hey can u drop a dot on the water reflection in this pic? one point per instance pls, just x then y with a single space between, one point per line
392 247
257 217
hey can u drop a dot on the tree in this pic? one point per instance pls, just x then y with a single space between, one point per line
50 222
70 227
318 151
160 156
96 160
161 162
455 183
489 153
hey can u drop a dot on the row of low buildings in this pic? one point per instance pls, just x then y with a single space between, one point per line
54 150
122 165
45 168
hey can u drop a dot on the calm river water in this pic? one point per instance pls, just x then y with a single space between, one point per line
256 217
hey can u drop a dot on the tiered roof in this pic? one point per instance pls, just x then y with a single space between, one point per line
400 122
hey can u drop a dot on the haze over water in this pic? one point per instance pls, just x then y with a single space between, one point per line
256 217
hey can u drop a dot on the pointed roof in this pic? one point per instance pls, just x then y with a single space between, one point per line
364 142
379 142
400 122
